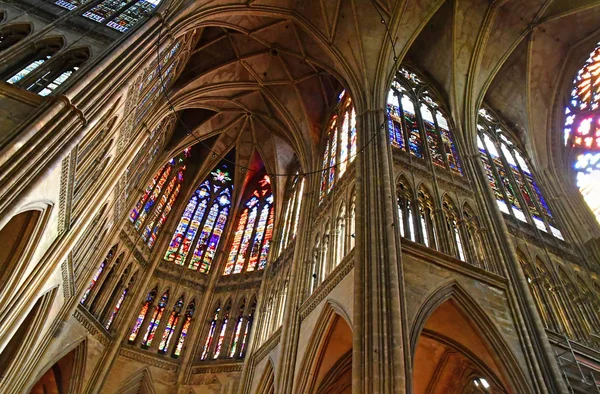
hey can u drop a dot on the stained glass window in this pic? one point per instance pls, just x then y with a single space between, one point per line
189 314
24 72
119 303
236 332
155 319
103 265
152 209
416 123
582 130
221 334
142 315
203 221
405 210
170 328
292 212
249 321
124 20
340 144
211 333
69 4
514 186
254 231
57 82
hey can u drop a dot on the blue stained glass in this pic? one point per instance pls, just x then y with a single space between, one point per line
24 72
104 10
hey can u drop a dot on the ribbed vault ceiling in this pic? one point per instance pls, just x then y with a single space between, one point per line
271 69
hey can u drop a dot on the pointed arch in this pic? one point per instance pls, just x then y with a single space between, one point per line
25 336
19 238
12 33
426 217
140 383
65 373
320 358
456 244
266 384
489 352
406 208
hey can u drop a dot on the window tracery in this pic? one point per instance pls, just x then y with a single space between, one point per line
13 33
189 314
44 72
291 214
417 124
254 230
104 265
340 137
120 15
152 209
203 222
582 130
507 169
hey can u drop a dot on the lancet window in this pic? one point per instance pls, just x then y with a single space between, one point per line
426 218
103 266
123 288
508 172
340 143
417 125
452 218
171 326
582 130
406 210
152 209
254 230
142 315
211 333
159 310
116 14
228 330
13 33
187 321
203 222
44 75
291 213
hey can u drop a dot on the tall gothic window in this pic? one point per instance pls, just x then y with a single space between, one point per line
104 265
291 214
340 144
406 210
417 125
202 222
155 319
426 218
253 231
156 81
510 177
582 130
171 325
451 216
120 15
151 211
211 333
120 293
142 315
187 321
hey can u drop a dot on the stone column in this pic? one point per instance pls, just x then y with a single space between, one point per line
379 346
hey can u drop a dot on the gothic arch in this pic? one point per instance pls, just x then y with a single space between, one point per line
64 373
20 345
19 238
266 384
12 33
140 383
320 358
453 297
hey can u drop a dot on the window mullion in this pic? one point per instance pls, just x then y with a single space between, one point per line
499 182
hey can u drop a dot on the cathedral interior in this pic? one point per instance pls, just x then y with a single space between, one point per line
309 196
